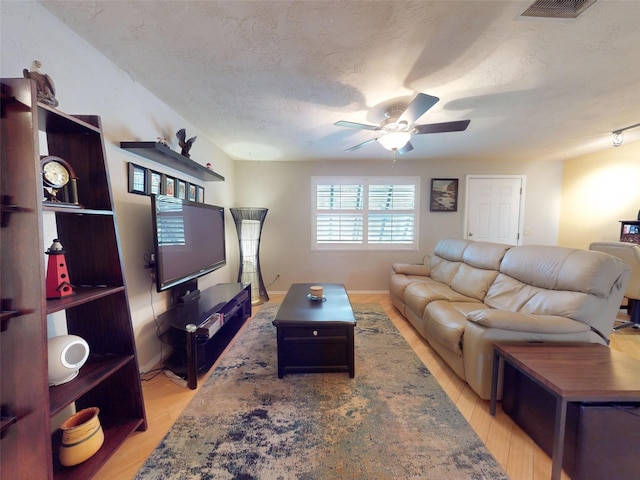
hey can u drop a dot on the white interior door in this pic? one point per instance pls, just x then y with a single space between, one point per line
494 208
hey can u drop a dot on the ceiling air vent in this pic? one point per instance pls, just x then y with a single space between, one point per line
557 8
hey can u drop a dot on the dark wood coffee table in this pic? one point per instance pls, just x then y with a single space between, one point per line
581 372
315 335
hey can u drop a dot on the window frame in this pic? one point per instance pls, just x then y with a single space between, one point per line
365 181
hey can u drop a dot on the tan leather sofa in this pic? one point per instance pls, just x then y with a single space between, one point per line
472 294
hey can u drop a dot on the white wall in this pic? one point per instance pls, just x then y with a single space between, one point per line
285 189
89 83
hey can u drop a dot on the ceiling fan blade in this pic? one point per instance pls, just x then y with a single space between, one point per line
407 148
417 108
443 127
361 126
360 145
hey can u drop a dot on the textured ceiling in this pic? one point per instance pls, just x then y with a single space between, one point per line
266 80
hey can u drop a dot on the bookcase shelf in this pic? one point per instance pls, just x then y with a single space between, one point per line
98 311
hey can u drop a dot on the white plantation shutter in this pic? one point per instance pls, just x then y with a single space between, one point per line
392 214
365 213
339 214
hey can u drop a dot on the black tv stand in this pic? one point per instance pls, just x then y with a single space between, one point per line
201 328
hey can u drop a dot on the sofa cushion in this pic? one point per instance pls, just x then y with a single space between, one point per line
451 249
485 255
598 273
554 268
507 293
447 258
473 282
418 295
399 282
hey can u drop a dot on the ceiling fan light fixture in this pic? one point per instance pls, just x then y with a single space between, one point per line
617 138
617 134
394 140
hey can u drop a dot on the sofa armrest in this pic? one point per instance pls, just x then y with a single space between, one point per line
412 269
524 322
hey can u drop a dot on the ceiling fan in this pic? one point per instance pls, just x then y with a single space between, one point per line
398 127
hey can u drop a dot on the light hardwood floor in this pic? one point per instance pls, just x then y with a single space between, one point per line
520 457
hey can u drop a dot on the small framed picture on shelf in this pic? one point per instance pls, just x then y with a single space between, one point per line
192 192
200 195
137 179
444 195
168 186
155 183
181 189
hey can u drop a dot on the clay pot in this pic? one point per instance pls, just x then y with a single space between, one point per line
82 436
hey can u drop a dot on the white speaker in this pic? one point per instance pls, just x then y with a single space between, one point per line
67 353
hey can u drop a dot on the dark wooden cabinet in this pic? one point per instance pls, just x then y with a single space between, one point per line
315 348
98 312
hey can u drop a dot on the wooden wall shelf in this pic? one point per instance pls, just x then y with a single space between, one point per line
165 156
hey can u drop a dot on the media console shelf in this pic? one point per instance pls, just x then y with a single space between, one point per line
217 314
165 156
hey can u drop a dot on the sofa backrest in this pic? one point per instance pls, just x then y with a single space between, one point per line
481 262
447 258
583 285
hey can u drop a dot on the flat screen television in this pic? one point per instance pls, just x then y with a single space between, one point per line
189 240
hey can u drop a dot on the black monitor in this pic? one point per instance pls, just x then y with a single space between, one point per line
189 240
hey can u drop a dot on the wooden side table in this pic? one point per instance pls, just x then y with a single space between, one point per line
570 373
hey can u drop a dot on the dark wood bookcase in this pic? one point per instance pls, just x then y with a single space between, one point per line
98 312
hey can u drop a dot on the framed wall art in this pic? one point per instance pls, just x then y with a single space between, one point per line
137 179
144 181
155 183
191 192
168 186
181 189
444 195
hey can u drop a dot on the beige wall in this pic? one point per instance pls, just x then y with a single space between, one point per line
285 189
598 191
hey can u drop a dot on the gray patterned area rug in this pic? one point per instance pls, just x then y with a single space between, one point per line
392 421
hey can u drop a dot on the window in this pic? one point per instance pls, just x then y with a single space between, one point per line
365 213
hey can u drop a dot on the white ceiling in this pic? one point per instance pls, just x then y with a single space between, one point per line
266 80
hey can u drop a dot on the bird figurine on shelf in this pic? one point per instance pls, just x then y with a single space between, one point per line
45 87
184 143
